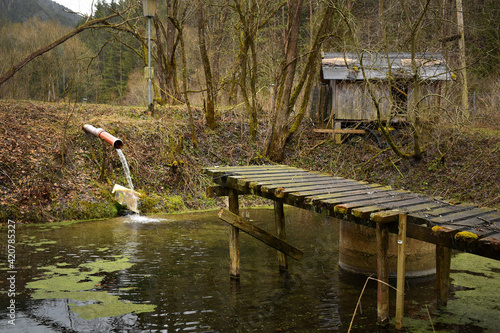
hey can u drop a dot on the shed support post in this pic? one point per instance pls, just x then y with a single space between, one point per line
382 235
279 219
234 237
401 272
443 264
337 136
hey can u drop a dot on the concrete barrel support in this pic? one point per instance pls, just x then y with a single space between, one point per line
358 252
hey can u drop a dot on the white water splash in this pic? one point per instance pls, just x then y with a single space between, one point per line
142 219
129 179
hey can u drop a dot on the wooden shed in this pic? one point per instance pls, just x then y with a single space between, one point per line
343 98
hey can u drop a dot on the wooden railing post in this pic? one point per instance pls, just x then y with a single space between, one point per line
279 219
234 237
400 293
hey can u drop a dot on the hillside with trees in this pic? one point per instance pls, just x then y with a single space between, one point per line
13 11
235 77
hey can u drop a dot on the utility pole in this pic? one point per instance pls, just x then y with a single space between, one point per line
463 62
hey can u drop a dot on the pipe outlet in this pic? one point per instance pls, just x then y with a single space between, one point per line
100 133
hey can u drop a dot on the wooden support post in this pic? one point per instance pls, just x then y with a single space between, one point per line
382 233
443 264
400 293
279 219
337 136
234 237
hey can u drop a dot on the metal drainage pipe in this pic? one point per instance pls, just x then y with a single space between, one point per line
100 133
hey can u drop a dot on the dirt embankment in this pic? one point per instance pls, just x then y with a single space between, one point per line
51 170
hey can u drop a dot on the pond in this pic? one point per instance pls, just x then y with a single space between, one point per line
171 274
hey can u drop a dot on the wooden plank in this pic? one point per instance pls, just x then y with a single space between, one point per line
262 235
333 193
249 168
365 200
475 212
443 210
330 193
385 216
401 271
298 175
327 194
423 207
345 208
257 173
365 190
339 131
290 176
365 212
285 181
419 200
480 224
323 185
224 171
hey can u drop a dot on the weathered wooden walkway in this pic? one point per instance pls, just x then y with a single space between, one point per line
462 227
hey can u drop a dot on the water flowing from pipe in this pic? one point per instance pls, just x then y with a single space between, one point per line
129 179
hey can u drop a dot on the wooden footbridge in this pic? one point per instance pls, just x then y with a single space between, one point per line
462 227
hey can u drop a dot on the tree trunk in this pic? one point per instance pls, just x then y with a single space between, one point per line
210 102
279 133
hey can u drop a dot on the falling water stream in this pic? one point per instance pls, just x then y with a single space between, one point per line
129 179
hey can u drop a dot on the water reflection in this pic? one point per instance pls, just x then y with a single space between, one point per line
180 264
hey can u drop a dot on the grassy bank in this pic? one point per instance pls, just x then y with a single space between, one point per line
50 170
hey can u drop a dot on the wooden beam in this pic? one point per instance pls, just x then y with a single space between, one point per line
382 235
217 191
279 219
401 272
339 131
234 237
262 235
365 212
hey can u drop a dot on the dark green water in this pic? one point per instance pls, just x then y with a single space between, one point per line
170 274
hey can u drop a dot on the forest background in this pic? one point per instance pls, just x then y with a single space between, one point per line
232 82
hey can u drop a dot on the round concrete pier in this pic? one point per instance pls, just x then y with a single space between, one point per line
358 252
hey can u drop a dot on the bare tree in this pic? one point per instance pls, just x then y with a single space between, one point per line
287 93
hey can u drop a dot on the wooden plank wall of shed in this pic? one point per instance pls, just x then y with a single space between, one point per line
351 101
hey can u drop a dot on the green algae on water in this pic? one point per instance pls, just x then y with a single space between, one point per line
80 284
476 301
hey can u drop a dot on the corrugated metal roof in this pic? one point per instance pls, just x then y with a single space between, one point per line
346 66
